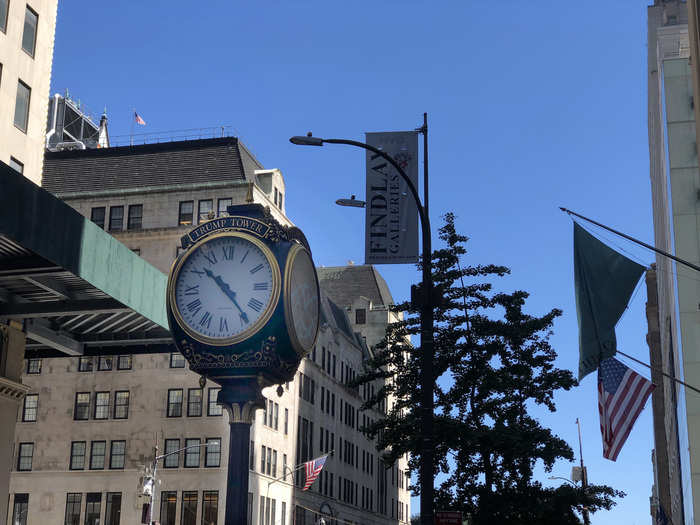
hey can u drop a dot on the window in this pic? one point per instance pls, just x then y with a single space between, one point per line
189 508
73 501
29 36
284 466
286 421
212 458
124 362
4 5
33 366
97 215
172 461
116 218
223 207
116 454
24 458
98 450
135 216
213 408
21 505
276 417
185 214
31 401
16 165
205 207
93 502
82 406
168 503
192 454
360 316
274 464
105 362
210 507
284 513
194 402
263 451
114 508
175 402
251 465
280 203
85 364
101 405
121 404
177 360
24 94
77 455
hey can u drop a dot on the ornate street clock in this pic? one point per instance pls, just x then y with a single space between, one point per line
243 298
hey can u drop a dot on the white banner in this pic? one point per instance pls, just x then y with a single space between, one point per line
391 216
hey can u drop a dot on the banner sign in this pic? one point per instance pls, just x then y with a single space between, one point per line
448 517
391 216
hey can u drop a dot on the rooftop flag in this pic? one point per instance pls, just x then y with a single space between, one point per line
138 119
622 394
313 469
604 281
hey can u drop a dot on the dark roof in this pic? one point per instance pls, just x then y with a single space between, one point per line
344 284
335 316
167 163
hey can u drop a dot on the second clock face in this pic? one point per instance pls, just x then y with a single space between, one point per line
226 288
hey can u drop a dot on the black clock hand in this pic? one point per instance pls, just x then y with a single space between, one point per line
227 291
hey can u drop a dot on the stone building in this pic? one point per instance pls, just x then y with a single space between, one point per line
90 424
26 54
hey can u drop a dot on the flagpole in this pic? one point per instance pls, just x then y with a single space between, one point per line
650 367
131 133
649 247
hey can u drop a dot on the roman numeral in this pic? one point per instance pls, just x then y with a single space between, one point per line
256 269
197 272
223 325
210 257
195 306
260 286
255 304
205 320
228 252
246 255
192 290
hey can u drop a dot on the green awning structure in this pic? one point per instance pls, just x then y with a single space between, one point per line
76 288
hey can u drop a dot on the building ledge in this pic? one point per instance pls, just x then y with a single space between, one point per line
11 390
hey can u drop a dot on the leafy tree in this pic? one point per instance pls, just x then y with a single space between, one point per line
496 362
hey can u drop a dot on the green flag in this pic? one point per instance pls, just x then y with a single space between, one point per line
604 281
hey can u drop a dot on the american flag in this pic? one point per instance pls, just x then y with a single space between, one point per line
622 394
138 119
313 469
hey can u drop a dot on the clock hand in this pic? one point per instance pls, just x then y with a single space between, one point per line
224 287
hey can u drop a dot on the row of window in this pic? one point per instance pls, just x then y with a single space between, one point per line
205 208
188 509
271 416
194 402
93 504
104 363
101 406
192 452
116 217
98 454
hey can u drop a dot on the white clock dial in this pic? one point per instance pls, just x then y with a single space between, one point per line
225 288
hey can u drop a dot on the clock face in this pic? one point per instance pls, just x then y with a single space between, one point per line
302 306
226 288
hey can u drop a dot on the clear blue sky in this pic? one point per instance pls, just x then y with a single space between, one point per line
532 105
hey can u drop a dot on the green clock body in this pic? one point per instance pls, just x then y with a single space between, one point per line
244 300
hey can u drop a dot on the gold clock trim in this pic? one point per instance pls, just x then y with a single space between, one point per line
257 325
293 252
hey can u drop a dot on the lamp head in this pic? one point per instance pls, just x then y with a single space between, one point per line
308 140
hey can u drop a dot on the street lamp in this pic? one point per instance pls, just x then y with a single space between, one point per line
427 378
584 509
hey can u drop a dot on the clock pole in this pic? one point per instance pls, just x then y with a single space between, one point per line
240 398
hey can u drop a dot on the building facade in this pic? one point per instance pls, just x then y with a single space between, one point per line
89 425
673 310
26 54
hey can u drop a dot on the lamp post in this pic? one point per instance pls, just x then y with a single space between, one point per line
584 509
427 378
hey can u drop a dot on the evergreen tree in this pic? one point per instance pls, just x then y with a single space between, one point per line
494 361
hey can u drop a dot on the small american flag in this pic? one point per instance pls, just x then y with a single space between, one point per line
138 119
622 394
313 469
